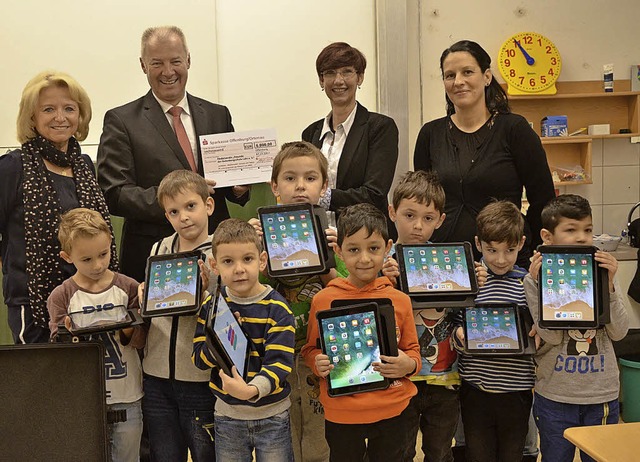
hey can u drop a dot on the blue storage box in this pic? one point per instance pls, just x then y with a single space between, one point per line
554 126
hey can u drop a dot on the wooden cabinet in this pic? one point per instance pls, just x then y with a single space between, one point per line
584 103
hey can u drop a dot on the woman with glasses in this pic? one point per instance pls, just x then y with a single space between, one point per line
361 146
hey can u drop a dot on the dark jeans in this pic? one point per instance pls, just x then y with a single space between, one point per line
23 329
434 410
553 418
179 415
347 441
495 424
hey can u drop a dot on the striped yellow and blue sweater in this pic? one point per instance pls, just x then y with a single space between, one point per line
268 322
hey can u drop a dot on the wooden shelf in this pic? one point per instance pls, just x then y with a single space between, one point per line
584 103
577 138
564 155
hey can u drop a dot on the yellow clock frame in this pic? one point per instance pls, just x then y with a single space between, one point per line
530 64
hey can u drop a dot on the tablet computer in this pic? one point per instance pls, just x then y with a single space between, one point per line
102 318
493 329
351 336
389 346
569 285
172 284
226 339
438 275
294 240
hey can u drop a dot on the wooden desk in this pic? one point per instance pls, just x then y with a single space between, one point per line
608 443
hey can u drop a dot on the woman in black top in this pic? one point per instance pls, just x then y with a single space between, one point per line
47 176
360 146
481 151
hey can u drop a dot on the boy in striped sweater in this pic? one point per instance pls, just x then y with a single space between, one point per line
496 395
254 415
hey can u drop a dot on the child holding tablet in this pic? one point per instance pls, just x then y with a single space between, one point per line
254 415
495 395
377 416
177 403
575 385
417 211
299 175
93 292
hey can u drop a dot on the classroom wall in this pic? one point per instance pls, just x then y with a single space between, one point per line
588 34
256 57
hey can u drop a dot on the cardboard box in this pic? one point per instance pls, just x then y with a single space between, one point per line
599 129
554 126
635 77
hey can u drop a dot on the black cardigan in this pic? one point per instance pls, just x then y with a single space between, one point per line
510 158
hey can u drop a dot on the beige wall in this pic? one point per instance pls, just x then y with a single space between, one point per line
588 34
256 57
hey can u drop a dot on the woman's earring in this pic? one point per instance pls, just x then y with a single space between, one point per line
321 88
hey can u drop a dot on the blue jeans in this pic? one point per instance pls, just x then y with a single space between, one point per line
179 415
553 418
271 439
124 437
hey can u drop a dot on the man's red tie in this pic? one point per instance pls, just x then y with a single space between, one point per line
183 139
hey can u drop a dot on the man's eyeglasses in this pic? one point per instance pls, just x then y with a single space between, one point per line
346 74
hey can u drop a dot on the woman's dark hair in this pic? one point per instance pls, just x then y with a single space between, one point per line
495 97
340 54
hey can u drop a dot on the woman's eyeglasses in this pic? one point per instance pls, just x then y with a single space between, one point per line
346 74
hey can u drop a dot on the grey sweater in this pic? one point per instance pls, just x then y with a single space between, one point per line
167 354
579 366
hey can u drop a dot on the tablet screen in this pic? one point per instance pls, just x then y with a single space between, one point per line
172 282
567 283
492 329
230 335
433 269
290 239
101 315
352 343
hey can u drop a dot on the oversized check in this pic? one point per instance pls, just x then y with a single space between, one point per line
239 158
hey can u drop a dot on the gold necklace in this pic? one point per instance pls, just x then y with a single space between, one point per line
62 171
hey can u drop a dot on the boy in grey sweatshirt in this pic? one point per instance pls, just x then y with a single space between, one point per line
577 380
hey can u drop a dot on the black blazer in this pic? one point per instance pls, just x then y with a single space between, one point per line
137 149
367 163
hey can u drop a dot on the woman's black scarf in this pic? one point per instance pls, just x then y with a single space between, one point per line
42 212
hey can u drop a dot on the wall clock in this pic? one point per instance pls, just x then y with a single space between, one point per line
530 64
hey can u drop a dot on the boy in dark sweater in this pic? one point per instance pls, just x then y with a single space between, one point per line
254 415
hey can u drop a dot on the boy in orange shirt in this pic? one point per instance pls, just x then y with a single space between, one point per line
377 416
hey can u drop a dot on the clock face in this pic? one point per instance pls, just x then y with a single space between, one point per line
529 63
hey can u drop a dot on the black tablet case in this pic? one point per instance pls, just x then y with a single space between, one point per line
603 302
436 300
52 400
326 251
387 320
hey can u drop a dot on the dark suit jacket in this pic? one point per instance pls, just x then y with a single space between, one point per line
367 163
137 149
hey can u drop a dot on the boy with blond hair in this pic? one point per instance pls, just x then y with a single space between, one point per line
178 406
94 292
366 423
574 388
251 416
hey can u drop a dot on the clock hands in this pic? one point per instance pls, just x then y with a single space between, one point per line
527 56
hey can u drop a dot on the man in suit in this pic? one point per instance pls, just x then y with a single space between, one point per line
139 147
